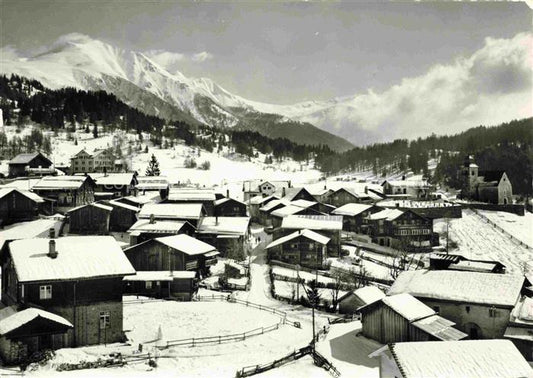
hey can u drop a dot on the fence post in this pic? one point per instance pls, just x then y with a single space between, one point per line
219 339
193 341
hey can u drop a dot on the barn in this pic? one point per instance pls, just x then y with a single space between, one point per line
92 219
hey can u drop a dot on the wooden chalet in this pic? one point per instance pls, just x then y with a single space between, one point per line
114 185
91 219
66 191
229 207
298 207
353 215
173 253
16 205
255 203
303 247
179 285
123 215
402 317
189 212
479 303
405 188
30 164
352 300
343 196
157 184
228 234
293 194
77 278
146 229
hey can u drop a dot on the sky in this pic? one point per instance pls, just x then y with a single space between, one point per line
283 52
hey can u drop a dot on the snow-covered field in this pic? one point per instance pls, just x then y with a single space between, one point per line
520 227
477 239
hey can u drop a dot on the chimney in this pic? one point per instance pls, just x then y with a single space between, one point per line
52 252
290 184
216 220
283 192
52 233
227 193
152 219
366 189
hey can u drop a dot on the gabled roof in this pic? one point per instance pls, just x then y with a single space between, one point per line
467 358
80 153
11 320
27 158
439 327
172 210
159 226
303 203
258 200
224 225
120 179
272 204
287 210
79 257
186 244
387 214
61 182
523 312
468 287
369 294
308 234
94 204
351 209
225 199
191 195
408 306
290 193
313 222
32 196
489 176
123 205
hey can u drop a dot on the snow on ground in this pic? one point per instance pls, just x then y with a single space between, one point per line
306 276
521 227
477 239
304 367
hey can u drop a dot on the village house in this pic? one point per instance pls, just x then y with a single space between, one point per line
228 234
445 261
432 209
321 195
484 186
123 215
162 284
81 162
66 191
402 317
104 160
255 203
146 229
293 194
520 328
298 207
479 303
327 225
352 300
353 215
91 219
229 207
204 197
405 188
16 206
401 229
256 188
303 247
113 185
343 196
30 164
139 200
265 210
465 358
190 212
77 278
173 253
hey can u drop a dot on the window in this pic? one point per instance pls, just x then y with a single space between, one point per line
148 285
45 292
467 308
104 319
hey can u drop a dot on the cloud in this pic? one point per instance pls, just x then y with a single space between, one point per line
9 53
202 56
491 86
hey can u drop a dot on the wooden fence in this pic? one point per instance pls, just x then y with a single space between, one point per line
497 227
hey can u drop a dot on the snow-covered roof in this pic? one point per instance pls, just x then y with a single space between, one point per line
523 311
439 327
467 358
191 195
257 200
159 226
120 179
351 209
78 257
124 205
31 229
15 319
287 210
160 275
388 214
60 182
152 183
225 199
224 225
303 203
369 294
141 199
24 158
473 266
408 306
305 233
22 184
469 287
32 196
313 222
186 244
172 210
408 183
272 204
94 204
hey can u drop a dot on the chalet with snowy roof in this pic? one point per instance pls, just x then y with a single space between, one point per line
320 194
204 197
327 225
146 229
190 212
162 284
485 186
123 215
139 200
303 247
30 164
91 219
255 188
293 194
444 261
343 196
520 328
265 210
78 278
229 207
465 358
16 206
228 234
479 303
353 215
39 228
114 185
405 188
173 253
255 203
66 191
402 317
298 207
352 300
402 229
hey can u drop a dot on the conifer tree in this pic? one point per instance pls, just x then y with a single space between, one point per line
153 167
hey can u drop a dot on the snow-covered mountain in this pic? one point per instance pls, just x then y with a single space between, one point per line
79 61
